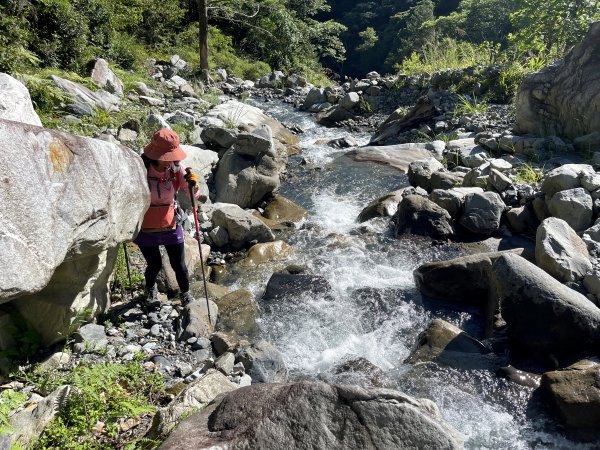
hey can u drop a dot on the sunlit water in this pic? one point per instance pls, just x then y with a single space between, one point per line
374 311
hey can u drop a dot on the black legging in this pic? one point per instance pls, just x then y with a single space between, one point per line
177 260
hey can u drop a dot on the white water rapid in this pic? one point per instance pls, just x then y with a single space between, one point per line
376 312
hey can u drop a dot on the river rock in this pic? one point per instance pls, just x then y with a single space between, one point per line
30 422
499 181
398 156
224 342
453 200
293 416
574 206
522 219
314 96
194 397
268 252
419 215
565 322
247 117
106 78
420 172
385 206
350 101
15 102
446 180
295 286
80 93
91 338
238 313
448 345
567 176
263 362
94 195
256 143
334 115
562 99
243 228
280 208
218 138
573 394
225 362
483 212
560 251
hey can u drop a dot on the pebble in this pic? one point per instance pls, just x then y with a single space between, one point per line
155 330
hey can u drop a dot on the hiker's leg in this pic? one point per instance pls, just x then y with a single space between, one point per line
154 264
177 260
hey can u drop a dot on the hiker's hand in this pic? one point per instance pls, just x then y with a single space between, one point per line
192 179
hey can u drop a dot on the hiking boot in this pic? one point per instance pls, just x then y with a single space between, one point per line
186 298
152 296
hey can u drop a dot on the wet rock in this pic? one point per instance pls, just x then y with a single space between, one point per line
453 200
238 313
419 215
398 156
333 116
280 208
560 251
263 362
356 369
574 206
521 377
385 206
269 252
482 212
446 344
574 394
295 286
565 322
293 416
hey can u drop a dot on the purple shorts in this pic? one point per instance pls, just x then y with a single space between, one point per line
169 237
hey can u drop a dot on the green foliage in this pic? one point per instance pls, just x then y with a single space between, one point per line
103 394
468 105
121 278
369 39
9 401
552 26
527 173
449 54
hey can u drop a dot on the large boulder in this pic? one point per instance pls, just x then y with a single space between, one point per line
315 415
541 313
293 286
560 251
398 156
453 200
263 362
562 99
246 117
79 93
242 227
574 206
419 215
333 115
238 313
483 212
15 102
385 206
574 394
106 78
420 172
248 172
66 202
567 176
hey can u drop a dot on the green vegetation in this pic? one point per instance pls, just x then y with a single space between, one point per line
121 278
468 105
527 173
9 401
104 397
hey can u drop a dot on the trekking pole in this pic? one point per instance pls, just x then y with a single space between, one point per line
198 238
128 269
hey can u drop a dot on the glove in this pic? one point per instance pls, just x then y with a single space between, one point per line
191 178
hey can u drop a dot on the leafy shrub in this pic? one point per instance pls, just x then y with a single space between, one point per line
9 401
468 105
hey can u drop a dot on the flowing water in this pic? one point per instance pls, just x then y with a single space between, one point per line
375 312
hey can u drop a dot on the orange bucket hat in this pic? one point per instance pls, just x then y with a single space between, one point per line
164 146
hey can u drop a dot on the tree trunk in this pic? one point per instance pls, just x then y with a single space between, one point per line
203 34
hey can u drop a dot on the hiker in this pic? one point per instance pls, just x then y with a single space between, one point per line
166 175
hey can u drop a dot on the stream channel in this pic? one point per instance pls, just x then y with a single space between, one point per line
375 312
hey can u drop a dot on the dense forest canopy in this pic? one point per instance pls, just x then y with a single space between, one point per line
251 37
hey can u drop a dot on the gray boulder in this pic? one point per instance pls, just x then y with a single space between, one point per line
334 115
385 206
523 219
314 96
80 93
420 172
542 314
263 362
106 78
194 322
91 338
567 176
242 227
238 313
419 215
574 206
453 200
545 103
350 101
482 212
94 195
446 180
15 102
398 156
560 251
255 144
218 138
315 415
296 286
